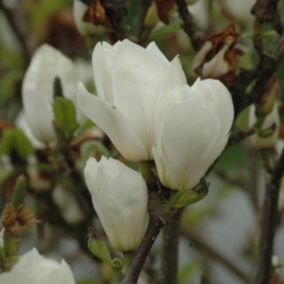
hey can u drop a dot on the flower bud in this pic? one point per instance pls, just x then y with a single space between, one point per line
129 79
33 268
267 132
192 129
120 199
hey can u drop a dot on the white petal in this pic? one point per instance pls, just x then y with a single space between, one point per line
113 123
33 268
153 48
21 122
102 60
47 64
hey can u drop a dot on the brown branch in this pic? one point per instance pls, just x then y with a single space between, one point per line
18 31
240 136
171 235
188 24
268 225
264 10
152 232
211 252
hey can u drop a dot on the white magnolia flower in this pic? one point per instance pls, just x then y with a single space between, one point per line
33 268
269 140
38 89
192 126
129 79
120 199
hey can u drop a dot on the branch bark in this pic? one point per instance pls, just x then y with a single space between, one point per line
152 232
170 249
268 225
188 24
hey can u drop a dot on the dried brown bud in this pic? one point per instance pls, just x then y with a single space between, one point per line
96 14
218 57
24 216
9 216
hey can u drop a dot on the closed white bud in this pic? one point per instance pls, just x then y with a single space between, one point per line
192 129
129 79
267 135
120 198
33 268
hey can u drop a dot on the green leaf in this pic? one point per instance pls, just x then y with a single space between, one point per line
181 199
165 30
100 250
13 142
19 191
117 263
65 116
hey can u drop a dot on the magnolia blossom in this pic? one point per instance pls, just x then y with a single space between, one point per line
120 199
38 90
192 129
33 268
265 140
129 79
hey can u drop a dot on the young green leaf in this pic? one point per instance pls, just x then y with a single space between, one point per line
65 116
14 141
100 250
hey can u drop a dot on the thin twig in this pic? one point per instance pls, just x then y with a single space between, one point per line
240 136
152 232
204 247
268 225
188 24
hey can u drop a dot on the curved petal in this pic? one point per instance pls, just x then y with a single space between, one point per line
137 76
46 65
113 123
102 61
39 115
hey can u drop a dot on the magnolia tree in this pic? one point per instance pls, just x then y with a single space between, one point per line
117 117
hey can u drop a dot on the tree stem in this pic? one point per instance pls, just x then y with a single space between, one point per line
268 225
170 249
152 232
